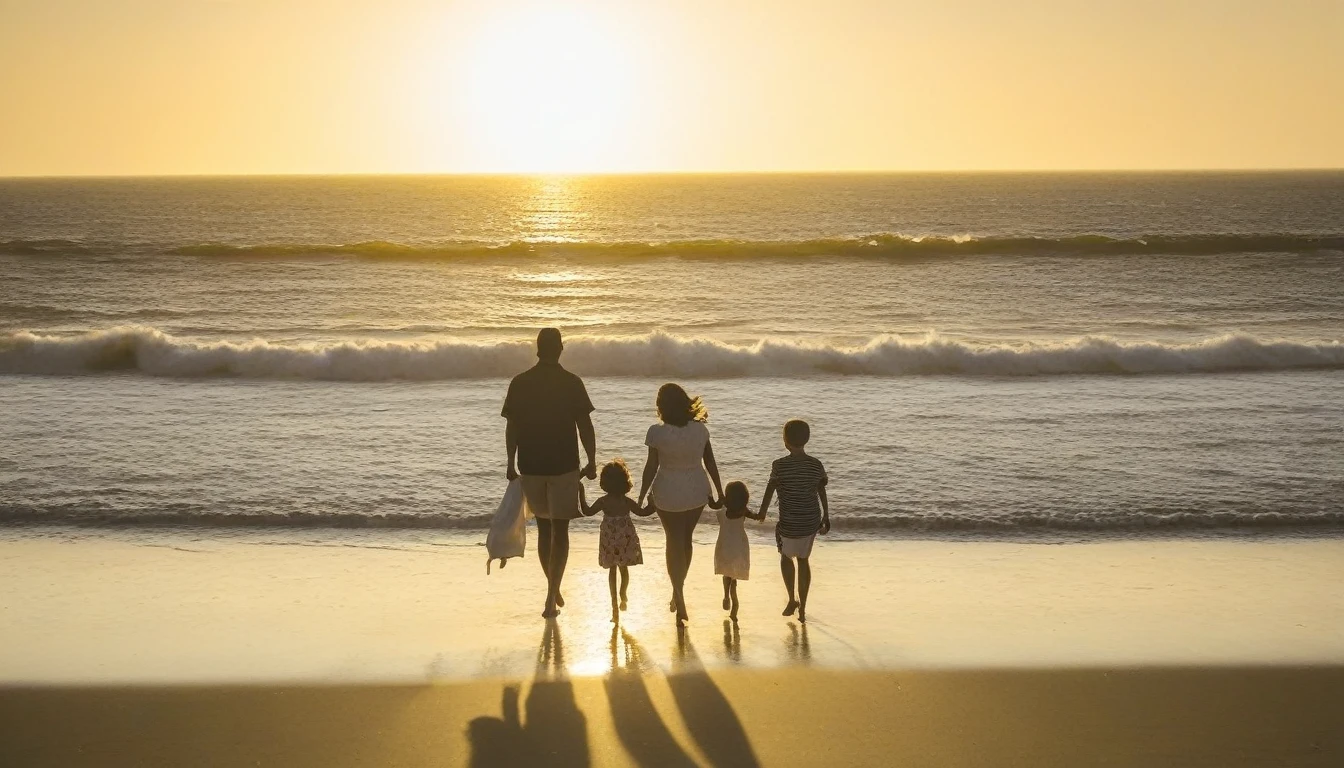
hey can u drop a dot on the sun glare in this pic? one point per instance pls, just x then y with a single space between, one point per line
548 90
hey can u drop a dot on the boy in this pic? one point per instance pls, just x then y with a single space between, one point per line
803 512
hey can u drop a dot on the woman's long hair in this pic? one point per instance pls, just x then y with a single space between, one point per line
677 408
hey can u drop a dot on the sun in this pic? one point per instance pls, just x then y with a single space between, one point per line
548 89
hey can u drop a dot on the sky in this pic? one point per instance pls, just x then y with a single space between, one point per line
149 87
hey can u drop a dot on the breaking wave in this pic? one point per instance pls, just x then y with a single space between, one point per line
151 352
883 245
893 522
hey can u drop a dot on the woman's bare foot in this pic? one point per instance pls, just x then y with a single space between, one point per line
733 615
672 605
615 616
802 614
623 604
791 607
727 603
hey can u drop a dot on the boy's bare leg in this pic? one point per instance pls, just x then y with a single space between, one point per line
804 582
727 585
786 568
625 584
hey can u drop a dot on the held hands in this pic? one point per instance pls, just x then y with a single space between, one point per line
715 503
589 470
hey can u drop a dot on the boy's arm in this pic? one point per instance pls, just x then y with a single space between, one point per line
825 507
765 500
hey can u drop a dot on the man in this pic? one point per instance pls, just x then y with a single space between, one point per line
545 406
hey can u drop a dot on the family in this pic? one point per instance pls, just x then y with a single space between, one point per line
547 406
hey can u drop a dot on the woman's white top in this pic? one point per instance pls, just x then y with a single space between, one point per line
681 483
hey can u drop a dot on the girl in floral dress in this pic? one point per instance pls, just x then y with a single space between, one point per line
618 542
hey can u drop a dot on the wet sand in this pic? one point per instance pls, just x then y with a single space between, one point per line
375 649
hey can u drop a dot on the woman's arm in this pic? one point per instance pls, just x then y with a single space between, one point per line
650 472
713 468
635 509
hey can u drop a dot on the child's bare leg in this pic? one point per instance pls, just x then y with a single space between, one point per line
804 582
727 584
786 568
625 584
733 592
611 585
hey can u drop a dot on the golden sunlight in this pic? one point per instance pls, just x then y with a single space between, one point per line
549 89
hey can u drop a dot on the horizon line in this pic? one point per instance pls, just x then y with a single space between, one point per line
536 174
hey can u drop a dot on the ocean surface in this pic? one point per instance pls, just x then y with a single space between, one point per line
991 353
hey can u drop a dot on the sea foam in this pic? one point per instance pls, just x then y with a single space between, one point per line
151 352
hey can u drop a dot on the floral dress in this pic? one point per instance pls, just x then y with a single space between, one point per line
618 543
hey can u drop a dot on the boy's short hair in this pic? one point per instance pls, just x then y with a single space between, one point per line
735 494
797 432
615 478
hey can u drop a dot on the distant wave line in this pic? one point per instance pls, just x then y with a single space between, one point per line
881 245
149 351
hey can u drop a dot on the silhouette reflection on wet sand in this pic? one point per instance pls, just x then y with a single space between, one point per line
556 732
706 711
800 651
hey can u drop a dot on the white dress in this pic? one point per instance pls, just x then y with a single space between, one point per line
732 552
681 483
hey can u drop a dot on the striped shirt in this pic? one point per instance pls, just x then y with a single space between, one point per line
798 478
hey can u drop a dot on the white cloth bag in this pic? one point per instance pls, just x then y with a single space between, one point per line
508 529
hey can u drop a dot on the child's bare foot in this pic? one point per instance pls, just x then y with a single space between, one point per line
551 611
615 616
733 615
802 614
791 607
623 604
672 605
727 603
559 600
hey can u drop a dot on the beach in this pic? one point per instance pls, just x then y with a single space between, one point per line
374 648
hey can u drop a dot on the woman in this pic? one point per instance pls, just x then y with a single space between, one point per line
679 455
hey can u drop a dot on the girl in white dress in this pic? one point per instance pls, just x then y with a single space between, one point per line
732 552
679 457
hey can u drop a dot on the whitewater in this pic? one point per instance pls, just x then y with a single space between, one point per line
981 354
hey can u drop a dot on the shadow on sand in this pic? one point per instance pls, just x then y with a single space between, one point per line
708 716
555 733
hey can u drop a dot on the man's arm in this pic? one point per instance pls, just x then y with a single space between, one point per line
588 436
511 447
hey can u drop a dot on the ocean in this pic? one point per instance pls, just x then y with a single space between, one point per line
992 354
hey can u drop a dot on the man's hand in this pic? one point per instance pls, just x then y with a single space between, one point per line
512 474
825 525
589 470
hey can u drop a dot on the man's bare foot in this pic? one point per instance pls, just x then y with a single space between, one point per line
727 603
550 613
791 607
623 604
559 600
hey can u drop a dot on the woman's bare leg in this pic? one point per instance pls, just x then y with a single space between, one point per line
671 552
733 614
727 585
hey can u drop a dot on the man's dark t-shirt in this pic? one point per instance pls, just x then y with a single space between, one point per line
545 402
